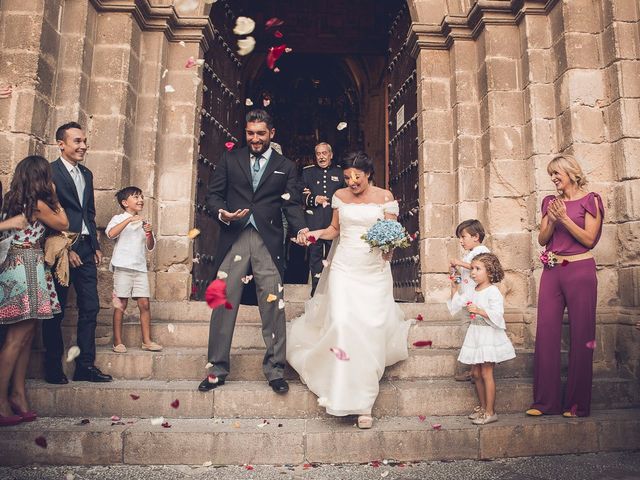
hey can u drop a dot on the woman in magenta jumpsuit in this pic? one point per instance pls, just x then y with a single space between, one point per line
570 228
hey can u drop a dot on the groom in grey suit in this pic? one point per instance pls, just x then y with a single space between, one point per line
250 188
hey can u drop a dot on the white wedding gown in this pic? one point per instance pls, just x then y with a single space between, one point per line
353 309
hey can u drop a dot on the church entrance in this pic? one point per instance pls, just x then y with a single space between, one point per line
349 65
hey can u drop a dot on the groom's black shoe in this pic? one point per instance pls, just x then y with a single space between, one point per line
279 385
206 385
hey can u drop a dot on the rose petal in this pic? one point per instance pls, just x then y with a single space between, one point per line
278 34
281 304
311 239
169 89
207 464
208 365
280 288
341 126
591 344
274 54
248 102
171 327
309 212
182 44
249 467
209 2
271 298
244 26
73 353
436 426
175 403
190 62
216 293
325 263
199 61
266 102
115 418
273 22
339 353
237 258
193 233
419 317
157 421
246 46
276 70
211 378
422 343
246 279
422 418
222 275
41 441
166 425
286 196
229 145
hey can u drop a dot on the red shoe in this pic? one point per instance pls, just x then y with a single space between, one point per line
25 416
10 420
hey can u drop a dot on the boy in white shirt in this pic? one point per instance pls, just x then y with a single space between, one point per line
129 265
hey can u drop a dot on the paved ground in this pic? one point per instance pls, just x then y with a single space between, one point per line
602 466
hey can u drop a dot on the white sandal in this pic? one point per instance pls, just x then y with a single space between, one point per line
120 348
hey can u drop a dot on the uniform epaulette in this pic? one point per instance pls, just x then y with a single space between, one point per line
308 166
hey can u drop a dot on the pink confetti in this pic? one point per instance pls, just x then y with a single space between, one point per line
273 22
419 317
191 62
41 442
278 34
375 463
212 378
229 145
175 403
134 396
339 353
591 344
436 426
422 343
228 306
115 418
422 418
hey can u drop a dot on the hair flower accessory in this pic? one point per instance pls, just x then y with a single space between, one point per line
548 258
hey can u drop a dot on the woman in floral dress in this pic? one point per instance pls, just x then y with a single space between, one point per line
27 293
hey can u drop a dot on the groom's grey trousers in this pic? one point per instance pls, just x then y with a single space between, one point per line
252 252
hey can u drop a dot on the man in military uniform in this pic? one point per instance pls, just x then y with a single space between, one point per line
320 182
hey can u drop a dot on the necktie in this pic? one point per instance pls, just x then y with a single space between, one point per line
256 164
77 180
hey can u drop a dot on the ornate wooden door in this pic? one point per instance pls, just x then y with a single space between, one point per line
221 122
403 153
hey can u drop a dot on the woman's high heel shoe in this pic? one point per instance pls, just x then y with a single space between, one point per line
365 421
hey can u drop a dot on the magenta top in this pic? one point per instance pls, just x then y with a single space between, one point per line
561 241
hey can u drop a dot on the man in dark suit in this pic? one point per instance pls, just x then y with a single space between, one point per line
250 188
320 182
74 186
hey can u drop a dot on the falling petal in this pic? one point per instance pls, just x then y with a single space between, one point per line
191 62
278 34
244 26
207 464
222 275
169 89
216 293
116 302
248 102
271 298
115 418
72 353
437 426
196 80
211 378
237 258
276 70
182 44
286 196
288 50
274 54
273 22
422 418
157 421
209 2
339 353
171 327
134 396
266 102
175 403
246 279
419 317
280 288
199 61
229 145
41 442
309 212
281 304
325 263
422 343
311 239
208 365
375 463
341 126
246 46
164 73
591 344
263 424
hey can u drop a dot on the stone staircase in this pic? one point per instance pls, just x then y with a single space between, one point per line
244 422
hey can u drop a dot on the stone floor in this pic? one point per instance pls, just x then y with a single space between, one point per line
600 466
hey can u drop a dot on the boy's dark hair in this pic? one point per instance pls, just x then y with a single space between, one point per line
473 227
492 264
62 129
258 115
125 193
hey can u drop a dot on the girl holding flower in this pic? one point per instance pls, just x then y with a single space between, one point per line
571 226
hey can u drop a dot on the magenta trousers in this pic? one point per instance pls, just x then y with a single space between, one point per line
573 286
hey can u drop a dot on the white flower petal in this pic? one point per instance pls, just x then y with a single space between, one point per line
244 26
169 89
248 102
72 353
286 196
157 421
237 258
171 327
281 304
246 45
222 275
341 126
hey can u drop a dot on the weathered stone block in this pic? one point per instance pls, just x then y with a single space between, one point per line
436 93
172 250
540 101
627 200
505 108
469 153
582 16
587 124
606 252
466 87
438 220
540 68
502 41
114 28
515 288
628 252
471 184
433 64
537 31
507 215
513 249
437 156
175 217
629 286
608 287
582 50
106 207
595 160
437 125
174 185
467 119
173 286
503 73
582 87
506 142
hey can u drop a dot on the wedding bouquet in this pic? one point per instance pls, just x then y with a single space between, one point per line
386 235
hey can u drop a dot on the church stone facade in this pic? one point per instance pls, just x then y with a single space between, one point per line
502 86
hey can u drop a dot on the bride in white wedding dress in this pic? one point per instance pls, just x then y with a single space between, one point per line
353 310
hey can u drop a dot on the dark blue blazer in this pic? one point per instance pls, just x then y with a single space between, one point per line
68 196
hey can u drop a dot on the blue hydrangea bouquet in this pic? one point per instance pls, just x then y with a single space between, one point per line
386 235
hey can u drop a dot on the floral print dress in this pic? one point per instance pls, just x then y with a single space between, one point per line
26 283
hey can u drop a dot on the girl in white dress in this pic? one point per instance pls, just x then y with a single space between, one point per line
352 328
486 342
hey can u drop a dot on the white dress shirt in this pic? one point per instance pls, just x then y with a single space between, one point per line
131 245
70 168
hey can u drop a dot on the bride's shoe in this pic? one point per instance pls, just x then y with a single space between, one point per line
365 421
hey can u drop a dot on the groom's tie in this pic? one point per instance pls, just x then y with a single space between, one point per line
78 181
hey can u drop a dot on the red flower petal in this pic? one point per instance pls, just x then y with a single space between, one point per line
212 378
339 353
216 293
274 54
311 239
565 263
41 442
422 418
419 317
229 145
134 396
307 466
472 316
436 426
249 467
278 34
375 463
228 306
166 425
591 344
422 343
273 22
175 403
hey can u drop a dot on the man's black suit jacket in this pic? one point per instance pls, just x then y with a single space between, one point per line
230 188
68 196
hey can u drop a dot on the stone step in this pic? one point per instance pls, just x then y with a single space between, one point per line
326 440
256 400
183 363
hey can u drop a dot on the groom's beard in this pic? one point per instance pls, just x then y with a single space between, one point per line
260 151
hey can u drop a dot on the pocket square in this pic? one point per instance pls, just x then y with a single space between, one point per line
278 172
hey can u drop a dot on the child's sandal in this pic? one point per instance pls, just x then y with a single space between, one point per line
120 348
477 413
151 347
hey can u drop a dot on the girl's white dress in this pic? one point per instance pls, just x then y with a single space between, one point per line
353 309
467 284
486 339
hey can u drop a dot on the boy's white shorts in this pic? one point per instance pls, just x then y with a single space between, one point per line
129 283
